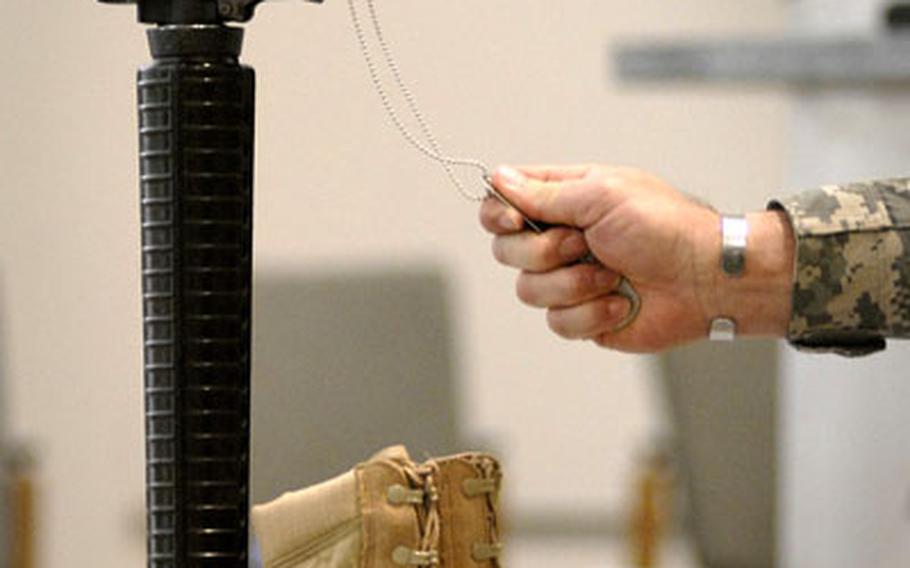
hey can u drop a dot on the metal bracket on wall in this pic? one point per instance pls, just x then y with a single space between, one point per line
845 61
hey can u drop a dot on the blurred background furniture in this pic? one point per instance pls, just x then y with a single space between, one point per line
722 399
345 365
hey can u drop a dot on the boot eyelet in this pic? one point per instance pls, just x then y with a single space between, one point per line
404 556
483 551
401 495
477 486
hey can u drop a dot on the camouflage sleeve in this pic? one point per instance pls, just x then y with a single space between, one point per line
852 275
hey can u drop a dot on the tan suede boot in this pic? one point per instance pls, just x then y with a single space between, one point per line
388 512
469 508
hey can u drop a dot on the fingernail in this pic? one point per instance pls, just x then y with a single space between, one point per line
573 247
511 177
604 279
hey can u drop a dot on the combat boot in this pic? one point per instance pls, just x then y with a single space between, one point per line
346 522
469 510
386 513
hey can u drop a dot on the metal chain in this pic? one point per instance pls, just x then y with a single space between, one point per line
411 102
431 148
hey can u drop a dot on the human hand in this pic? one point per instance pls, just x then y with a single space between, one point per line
637 226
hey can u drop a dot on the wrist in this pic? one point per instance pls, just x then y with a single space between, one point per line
759 299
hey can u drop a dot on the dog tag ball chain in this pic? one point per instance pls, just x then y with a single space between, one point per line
429 146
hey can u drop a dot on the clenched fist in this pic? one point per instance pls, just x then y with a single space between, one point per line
665 244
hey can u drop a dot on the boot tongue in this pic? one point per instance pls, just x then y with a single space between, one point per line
392 453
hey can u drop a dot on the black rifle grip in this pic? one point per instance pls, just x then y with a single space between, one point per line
196 113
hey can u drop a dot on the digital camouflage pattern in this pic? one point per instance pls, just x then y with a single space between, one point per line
852 273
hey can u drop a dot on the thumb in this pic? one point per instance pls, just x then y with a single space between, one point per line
556 195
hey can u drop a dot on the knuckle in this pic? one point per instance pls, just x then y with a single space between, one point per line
539 254
578 283
547 255
552 244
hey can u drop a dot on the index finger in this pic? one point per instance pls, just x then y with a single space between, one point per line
554 173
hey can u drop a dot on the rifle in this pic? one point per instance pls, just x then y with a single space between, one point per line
196 119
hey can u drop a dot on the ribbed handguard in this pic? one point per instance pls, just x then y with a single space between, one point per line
196 153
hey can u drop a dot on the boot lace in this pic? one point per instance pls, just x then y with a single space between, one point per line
423 494
488 486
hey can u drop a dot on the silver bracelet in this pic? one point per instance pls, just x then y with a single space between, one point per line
734 232
722 329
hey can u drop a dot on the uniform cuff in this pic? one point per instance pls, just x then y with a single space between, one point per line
851 276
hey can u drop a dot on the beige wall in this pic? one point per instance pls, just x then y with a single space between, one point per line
509 80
